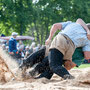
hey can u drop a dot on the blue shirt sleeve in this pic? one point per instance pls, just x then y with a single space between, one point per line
87 46
64 24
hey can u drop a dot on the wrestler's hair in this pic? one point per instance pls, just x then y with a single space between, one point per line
88 25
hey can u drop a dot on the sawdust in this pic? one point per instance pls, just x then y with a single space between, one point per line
8 72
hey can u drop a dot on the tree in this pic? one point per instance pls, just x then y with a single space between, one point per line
36 18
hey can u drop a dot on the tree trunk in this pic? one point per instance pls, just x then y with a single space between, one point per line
47 31
21 28
36 31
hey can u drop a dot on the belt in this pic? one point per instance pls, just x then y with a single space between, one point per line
69 40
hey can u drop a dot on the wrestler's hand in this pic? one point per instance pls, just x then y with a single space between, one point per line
88 35
68 64
47 42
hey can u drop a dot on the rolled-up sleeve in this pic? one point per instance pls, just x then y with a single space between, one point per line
64 24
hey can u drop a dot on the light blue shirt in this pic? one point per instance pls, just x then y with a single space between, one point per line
77 34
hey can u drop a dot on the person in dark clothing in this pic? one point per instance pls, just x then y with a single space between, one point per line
13 52
13 44
2 35
42 67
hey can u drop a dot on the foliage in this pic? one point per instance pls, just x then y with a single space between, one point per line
35 17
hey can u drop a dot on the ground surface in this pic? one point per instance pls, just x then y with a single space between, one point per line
8 65
81 82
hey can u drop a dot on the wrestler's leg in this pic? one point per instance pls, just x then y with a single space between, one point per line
55 63
34 58
41 67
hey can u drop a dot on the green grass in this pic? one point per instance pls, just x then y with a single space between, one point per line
83 66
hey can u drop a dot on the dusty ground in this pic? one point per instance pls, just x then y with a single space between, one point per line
81 81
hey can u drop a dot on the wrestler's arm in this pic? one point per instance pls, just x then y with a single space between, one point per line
87 55
55 27
83 24
86 50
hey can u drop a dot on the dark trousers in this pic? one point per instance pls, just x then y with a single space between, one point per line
48 65
43 65
44 69
35 57
52 64
56 62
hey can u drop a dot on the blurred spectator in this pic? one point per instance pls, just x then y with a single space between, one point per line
38 47
7 43
32 47
3 46
2 35
19 44
13 44
3 42
7 48
27 48
27 51
86 61
21 51
43 46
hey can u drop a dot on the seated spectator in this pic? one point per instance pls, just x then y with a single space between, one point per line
32 47
7 43
13 44
19 44
3 42
20 56
38 47
27 51
7 48
21 51
33 44
3 46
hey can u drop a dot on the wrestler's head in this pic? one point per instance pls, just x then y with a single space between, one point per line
88 25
